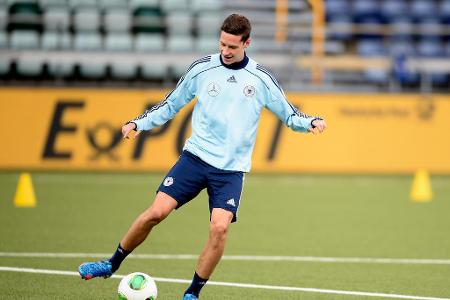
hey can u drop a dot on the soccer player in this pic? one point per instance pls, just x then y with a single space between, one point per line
232 90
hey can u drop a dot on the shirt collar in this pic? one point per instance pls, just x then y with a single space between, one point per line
237 65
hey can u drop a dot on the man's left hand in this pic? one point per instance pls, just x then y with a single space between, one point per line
319 126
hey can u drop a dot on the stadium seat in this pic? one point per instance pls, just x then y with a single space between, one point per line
206 5
52 3
444 10
402 28
206 45
5 66
61 69
371 47
174 5
117 20
92 70
433 48
88 41
391 10
337 8
122 42
51 40
149 42
179 22
430 47
76 4
153 71
148 19
109 4
30 67
142 3
180 44
86 20
208 24
123 70
25 15
3 18
339 27
430 28
401 47
363 9
421 9
3 40
56 18
24 39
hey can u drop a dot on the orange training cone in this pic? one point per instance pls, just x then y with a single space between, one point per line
25 193
421 187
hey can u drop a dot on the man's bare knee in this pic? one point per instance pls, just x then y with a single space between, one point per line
218 230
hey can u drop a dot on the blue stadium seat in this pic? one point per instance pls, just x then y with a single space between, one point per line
370 48
363 10
339 27
433 48
430 47
373 48
430 28
337 8
444 10
421 9
402 28
392 9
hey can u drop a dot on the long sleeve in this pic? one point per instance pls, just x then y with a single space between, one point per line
280 106
167 109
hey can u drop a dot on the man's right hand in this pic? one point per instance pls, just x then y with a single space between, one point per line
127 128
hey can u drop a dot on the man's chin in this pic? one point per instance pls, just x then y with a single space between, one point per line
227 61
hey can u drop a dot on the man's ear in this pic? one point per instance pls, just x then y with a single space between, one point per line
247 42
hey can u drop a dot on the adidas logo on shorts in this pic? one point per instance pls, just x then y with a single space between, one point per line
231 202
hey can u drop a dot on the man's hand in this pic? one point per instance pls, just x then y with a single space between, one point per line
127 128
319 126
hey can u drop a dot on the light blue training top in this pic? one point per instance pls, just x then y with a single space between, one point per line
225 119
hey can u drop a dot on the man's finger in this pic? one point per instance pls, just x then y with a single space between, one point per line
137 133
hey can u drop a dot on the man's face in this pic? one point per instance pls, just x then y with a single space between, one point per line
232 48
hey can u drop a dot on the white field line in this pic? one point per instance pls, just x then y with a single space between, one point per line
240 285
355 260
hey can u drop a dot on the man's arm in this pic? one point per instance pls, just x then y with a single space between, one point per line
162 112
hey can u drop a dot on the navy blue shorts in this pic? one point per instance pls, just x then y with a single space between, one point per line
190 175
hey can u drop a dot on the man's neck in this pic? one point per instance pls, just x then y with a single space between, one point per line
236 65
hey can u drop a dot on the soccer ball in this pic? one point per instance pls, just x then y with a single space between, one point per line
137 286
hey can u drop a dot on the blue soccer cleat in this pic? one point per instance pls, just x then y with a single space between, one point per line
89 270
189 297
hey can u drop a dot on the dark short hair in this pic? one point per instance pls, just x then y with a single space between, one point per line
237 25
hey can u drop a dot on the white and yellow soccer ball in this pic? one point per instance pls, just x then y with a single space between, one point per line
137 286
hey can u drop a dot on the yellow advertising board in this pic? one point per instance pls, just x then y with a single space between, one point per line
79 129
